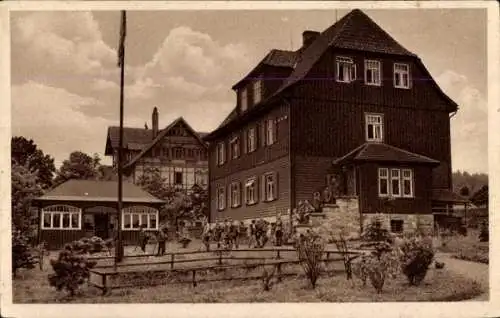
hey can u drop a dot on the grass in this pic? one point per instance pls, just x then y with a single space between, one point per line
439 285
466 247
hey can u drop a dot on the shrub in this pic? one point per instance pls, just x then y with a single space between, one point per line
71 268
375 231
22 257
416 257
484 235
310 249
267 279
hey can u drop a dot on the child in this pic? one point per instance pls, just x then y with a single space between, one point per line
279 232
143 239
162 241
251 234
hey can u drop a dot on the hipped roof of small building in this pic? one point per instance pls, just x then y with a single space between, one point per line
98 191
447 196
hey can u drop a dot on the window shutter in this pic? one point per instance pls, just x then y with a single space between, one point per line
240 194
353 72
263 133
244 142
229 197
263 188
275 131
276 182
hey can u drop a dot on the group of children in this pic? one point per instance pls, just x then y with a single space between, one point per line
228 234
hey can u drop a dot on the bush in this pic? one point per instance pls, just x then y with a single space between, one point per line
416 257
375 232
22 257
484 235
310 249
71 268
267 279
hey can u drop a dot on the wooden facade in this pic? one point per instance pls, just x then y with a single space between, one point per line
326 121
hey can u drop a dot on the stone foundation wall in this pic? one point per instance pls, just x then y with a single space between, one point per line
341 218
411 222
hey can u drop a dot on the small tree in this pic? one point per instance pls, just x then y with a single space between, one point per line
416 257
22 256
72 268
310 248
484 235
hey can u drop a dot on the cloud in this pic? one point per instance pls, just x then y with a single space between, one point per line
51 117
469 127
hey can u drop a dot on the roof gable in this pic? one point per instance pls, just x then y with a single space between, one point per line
162 134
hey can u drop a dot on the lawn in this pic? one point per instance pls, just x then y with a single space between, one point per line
439 285
466 247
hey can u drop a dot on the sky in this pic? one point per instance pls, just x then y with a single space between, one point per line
65 79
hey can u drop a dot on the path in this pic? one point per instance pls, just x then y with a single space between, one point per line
476 271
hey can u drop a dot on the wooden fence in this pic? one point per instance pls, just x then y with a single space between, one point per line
135 274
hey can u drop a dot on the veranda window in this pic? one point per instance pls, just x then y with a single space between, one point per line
383 182
135 217
61 217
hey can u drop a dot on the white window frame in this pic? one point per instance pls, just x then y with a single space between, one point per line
375 67
407 178
376 121
395 176
251 188
235 144
235 194
221 153
270 186
61 210
270 131
140 210
221 198
251 139
397 69
244 99
349 71
257 91
381 176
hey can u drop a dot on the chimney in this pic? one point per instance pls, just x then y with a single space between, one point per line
308 37
155 122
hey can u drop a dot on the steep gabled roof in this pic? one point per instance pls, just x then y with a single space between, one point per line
355 31
97 191
381 152
161 135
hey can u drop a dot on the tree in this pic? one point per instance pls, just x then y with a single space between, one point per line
464 191
79 166
26 153
25 187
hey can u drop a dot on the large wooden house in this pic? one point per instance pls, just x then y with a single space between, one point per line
177 152
351 105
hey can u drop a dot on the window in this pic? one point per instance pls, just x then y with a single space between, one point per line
243 99
257 91
135 217
61 217
395 183
178 153
372 72
407 183
221 154
398 184
221 198
270 129
374 127
383 182
346 69
401 75
397 226
251 140
270 187
178 178
250 192
235 194
235 147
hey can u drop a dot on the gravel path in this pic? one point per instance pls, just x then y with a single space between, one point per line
476 271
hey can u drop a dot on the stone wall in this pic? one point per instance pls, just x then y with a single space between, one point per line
341 218
411 222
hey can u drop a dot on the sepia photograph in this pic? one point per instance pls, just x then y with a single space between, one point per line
333 154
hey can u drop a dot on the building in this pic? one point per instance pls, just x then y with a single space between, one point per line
177 151
351 108
86 208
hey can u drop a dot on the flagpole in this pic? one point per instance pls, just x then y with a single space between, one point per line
121 63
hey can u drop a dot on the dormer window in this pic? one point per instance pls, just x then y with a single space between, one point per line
401 75
346 69
243 99
372 72
374 127
257 91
